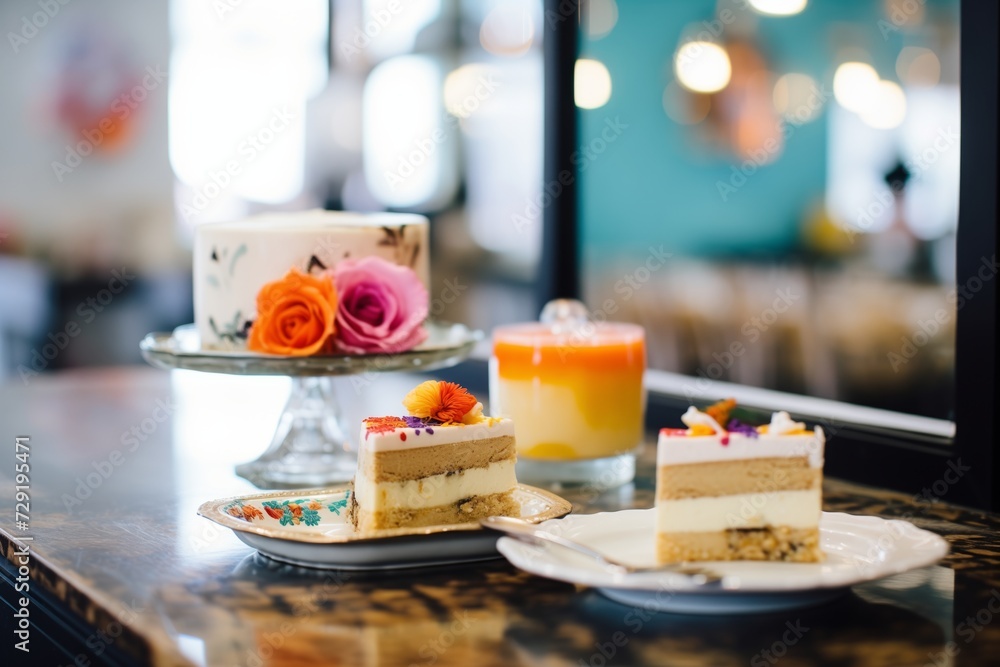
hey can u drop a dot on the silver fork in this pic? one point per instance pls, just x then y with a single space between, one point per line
532 534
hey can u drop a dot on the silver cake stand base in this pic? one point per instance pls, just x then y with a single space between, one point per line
310 447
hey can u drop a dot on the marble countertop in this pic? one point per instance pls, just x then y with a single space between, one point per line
117 541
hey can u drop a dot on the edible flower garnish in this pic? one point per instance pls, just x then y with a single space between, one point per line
721 410
445 402
736 426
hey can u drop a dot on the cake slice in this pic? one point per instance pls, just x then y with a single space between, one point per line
444 463
740 492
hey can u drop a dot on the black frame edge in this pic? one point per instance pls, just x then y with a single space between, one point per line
559 270
976 324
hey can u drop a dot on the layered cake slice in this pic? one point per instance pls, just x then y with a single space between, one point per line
738 492
443 463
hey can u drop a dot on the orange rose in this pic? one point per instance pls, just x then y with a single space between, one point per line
294 315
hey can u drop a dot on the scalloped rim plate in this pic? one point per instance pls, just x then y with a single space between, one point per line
859 549
315 532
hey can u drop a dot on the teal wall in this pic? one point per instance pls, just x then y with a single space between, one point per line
656 183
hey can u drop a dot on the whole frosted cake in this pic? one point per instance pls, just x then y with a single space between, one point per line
738 492
315 282
444 463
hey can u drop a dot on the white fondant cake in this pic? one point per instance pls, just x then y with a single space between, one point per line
233 260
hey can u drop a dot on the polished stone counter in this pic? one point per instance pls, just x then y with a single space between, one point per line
117 544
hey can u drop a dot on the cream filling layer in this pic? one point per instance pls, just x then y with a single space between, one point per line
435 490
795 509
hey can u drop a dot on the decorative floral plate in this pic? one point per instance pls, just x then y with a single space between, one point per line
858 549
310 528
446 345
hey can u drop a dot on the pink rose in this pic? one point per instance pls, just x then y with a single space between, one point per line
382 307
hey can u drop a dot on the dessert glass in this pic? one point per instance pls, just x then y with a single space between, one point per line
574 389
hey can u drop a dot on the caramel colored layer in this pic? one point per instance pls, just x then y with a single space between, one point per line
464 511
400 465
724 478
794 545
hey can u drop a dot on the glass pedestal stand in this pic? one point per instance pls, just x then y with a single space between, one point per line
310 446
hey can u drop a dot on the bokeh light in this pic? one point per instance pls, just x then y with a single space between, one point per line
591 84
797 97
855 85
918 66
508 30
599 17
887 109
779 7
703 67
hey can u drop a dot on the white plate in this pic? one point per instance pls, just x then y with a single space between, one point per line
858 549
310 528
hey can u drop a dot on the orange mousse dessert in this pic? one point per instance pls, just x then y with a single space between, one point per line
575 393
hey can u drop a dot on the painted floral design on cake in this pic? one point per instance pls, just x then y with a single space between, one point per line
237 328
406 249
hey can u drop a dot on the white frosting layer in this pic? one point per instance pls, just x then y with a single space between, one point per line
233 260
442 435
678 450
435 490
795 509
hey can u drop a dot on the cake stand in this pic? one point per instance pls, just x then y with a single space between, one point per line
309 447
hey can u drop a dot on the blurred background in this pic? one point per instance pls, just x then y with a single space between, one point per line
770 186
799 162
